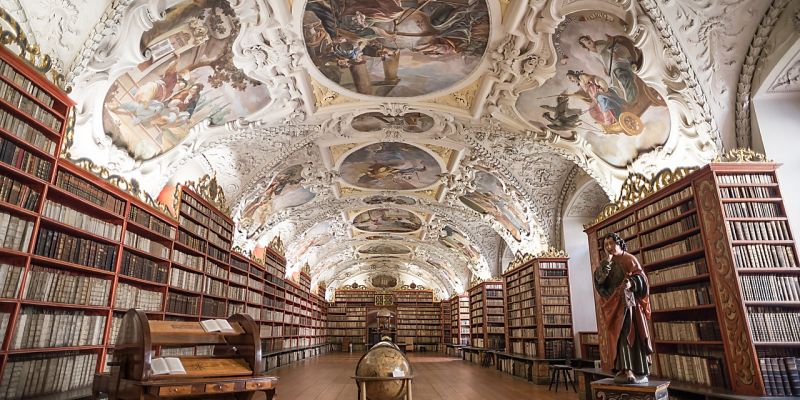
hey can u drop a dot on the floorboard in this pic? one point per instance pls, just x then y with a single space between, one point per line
437 377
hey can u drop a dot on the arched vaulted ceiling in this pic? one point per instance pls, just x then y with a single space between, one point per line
394 138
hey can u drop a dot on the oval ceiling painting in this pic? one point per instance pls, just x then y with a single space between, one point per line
390 48
387 220
189 77
597 94
384 248
390 166
413 122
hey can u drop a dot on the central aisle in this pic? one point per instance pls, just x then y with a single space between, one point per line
436 378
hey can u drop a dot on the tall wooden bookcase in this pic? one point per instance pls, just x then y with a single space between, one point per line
419 320
459 319
76 252
539 315
347 318
447 330
723 271
487 315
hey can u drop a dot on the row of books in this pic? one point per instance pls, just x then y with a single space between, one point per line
76 219
24 160
694 242
42 327
182 304
237 278
523 304
551 273
22 82
668 201
522 333
688 296
188 260
770 287
214 287
761 230
186 280
31 376
4 318
146 245
191 241
556 309
748 192
557 332
667 215
190 226
129 296
213 308
526 348
494 293
692 369
521 321
781 377
59 286
550 300
556 319
560 348
769 324
682 225
616 227
764 256
687 331
218 254
149 221
66 247
752 209
555 291
143 268
552 265
762 179
553 282
10 277
682 271
494 342
187 209
28 106
25 131
19 194
216 271
89 192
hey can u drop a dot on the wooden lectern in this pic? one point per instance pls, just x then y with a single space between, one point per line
234 370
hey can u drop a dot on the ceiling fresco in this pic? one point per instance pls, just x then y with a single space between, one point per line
395 49
398 139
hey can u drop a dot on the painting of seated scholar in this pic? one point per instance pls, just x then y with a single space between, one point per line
393 48
597 93
189 77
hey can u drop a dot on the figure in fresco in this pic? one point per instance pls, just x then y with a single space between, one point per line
605 105
625 307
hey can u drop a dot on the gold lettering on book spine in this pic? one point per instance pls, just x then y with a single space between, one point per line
734 325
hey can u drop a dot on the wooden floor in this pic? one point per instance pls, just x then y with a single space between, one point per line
437 377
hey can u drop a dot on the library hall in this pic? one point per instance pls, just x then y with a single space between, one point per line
399 199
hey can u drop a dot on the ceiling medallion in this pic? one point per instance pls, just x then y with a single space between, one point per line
637 187
742 155
388 49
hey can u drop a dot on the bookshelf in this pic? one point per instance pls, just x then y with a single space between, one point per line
447 332
589 345
82 252
459 319
487 315
539 316
721 262
419 320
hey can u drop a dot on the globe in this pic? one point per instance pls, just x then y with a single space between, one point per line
384 360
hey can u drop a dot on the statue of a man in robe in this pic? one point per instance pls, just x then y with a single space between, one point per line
625 304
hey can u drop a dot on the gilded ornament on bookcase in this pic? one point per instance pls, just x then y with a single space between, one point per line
552 252
742 155
637 187
276 244
519 260
69 135
131 186
29 52
306 270
208 188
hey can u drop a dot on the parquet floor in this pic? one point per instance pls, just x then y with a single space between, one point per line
437 377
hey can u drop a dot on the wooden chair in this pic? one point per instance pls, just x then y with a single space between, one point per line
562 371
235 369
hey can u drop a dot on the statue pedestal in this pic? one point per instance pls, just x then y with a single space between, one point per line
606 389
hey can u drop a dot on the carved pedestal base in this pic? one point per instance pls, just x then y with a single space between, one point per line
606 389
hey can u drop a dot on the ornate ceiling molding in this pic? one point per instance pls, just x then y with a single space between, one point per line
752 60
